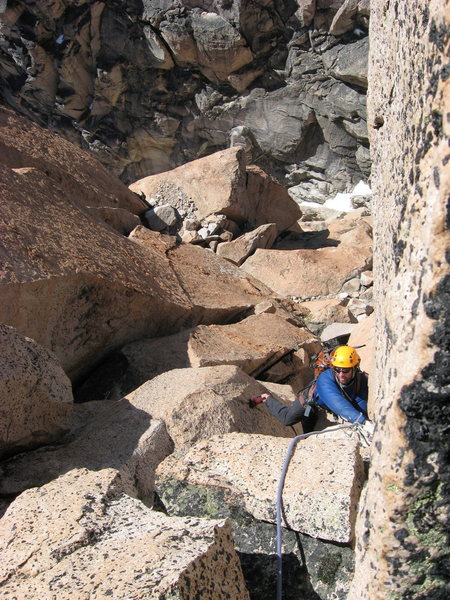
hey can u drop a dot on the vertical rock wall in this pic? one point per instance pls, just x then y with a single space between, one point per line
403 548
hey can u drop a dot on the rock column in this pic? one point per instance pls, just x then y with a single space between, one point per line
402 540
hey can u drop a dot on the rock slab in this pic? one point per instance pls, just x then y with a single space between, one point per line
197 403
321 490
36 402
81 537
105 435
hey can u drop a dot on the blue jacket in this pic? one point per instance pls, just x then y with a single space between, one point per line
329 395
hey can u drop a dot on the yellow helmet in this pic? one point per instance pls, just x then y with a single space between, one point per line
345 357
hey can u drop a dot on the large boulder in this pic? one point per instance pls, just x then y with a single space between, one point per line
105 435
78 288
35 394
269 201
255 344
198 403
316 265
80 536
305 273
312 567
220 184
320 492
25 145
238 250
214 184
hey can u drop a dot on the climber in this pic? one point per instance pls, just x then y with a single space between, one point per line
341 389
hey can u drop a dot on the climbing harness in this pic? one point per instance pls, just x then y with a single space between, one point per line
294 441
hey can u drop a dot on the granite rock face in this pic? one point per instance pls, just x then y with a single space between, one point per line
27 147
81 536
198 403
257 344
217 478
292 268
71 281
321 489
104 435
148 86
222 184
35 394
404 522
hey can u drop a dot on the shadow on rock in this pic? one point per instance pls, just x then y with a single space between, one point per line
106 435
308 240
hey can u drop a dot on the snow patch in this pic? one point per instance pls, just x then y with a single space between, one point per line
343 200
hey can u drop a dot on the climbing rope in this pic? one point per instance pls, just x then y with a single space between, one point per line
280 494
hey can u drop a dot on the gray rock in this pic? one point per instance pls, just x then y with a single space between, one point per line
162 217
336 330
366 278
191 224
352 285
305 12
259 74
362 157
311 567
359 307
367 295
348 62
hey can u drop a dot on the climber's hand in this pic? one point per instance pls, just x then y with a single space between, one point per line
257 400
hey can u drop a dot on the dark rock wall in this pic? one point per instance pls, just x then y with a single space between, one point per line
403 546
149 85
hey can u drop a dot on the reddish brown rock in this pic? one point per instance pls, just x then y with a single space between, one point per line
238 250
221 184
306 268
308 273
254 344
119 219
269 202
214 184
81 290
77 174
